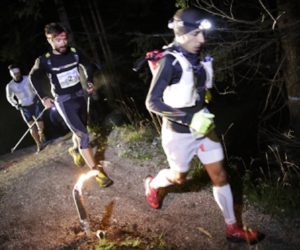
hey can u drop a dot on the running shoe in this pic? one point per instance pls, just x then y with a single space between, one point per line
102 179
77 158
235 233
152 196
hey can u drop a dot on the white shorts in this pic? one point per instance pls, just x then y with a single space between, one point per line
180 148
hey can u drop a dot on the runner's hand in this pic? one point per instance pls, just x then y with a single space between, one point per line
48 102
90 88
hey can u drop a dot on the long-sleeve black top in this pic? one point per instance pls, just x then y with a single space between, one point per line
178 119
58 67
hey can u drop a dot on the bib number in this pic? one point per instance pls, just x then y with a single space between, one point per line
68 78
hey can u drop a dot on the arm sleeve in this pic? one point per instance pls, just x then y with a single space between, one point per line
154 100
37 77
10 96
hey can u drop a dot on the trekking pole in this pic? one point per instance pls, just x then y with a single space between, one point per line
89 99
26 132
88 104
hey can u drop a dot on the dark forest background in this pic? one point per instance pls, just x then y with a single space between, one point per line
108 32
254 43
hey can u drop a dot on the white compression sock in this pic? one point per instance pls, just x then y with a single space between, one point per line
223 197
161 179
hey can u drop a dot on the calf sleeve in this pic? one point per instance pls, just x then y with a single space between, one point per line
223 197
162 179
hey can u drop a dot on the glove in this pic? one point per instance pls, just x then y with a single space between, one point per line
202 122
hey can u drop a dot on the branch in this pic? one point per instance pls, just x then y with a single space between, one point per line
269 13
212 9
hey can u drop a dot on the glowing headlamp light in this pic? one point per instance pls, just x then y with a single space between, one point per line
203 24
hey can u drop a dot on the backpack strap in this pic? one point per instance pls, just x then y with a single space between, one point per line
48 56
76 56
154 56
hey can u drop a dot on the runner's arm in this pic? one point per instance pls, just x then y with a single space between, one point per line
154 100
10 97
37 76
87 67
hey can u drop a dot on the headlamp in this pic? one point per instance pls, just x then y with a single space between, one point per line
203 24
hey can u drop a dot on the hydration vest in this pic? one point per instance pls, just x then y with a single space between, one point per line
183 93
67 74
49 63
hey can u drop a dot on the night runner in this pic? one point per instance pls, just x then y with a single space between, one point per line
177 93
21 95
61 65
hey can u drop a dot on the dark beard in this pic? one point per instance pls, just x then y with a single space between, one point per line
61 50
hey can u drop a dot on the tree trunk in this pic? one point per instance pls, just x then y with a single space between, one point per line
112 87
289 27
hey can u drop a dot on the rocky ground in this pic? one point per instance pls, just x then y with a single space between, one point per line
37 210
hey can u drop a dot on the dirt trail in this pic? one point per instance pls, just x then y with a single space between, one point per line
37 210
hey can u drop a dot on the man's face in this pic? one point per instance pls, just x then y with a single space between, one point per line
59 44
191 41
15 74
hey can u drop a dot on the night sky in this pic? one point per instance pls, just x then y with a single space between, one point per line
22 41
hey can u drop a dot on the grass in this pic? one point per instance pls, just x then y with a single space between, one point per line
157 243
131 134
105 244
271 185
140 143
274 197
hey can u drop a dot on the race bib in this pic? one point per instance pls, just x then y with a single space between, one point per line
68 78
